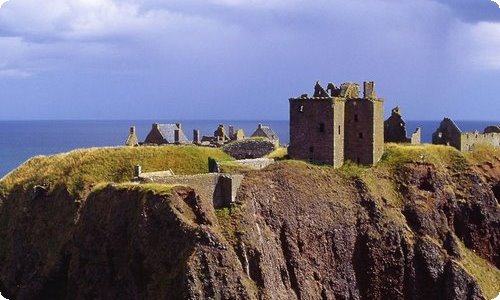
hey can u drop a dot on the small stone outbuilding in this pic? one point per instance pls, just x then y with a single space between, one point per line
266 132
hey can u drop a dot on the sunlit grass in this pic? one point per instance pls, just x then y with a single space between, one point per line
278 153
441 156
84 167
483 153
486 274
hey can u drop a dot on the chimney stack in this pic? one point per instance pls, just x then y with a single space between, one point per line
369 90
177 133
196 136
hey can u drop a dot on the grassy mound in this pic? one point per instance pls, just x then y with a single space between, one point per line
84 167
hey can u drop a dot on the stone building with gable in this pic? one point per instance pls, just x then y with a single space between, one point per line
161 134
337 124
266 132
448 133
395 129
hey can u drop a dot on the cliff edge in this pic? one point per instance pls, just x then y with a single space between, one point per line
423 224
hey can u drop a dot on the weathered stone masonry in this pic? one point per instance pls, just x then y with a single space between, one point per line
395 129
448 133
336 125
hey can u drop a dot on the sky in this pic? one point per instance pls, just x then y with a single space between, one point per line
243 59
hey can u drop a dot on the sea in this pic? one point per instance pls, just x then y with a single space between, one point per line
20 140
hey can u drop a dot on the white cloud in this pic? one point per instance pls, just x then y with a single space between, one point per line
476 45
497 2
13 73
71 20
90 33
111 34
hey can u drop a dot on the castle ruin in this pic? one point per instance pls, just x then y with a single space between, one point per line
337 124
395 129
449 134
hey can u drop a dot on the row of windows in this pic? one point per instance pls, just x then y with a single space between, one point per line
322 129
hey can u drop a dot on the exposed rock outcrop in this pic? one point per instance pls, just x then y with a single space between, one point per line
418 231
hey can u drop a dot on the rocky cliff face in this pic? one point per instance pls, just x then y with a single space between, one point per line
423 230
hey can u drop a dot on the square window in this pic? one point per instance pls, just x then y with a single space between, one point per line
321 127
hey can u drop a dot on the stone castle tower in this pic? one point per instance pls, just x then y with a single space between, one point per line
336 124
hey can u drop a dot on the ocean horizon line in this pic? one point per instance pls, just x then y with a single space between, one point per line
213 120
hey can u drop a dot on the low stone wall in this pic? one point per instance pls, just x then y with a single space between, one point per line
249 148
256 163
221 188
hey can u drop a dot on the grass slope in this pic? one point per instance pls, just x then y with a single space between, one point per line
83 167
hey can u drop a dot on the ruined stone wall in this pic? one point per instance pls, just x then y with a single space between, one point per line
416 137
469 140
364 131
395 129
256 163
220 188
447 133
313 128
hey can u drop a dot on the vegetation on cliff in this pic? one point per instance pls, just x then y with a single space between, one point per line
421 224
81 168
432 193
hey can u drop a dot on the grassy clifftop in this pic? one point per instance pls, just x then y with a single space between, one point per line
420 224
82 167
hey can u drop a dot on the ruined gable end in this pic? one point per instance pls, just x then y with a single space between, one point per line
395 129
132 139
319 91
161 134
349 90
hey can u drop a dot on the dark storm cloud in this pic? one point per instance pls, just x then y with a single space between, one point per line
108 56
